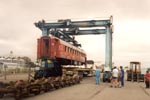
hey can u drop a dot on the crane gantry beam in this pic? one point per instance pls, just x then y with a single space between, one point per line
67 23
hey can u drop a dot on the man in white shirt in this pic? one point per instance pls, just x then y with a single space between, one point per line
115 75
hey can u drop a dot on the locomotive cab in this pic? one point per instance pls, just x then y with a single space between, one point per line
48 69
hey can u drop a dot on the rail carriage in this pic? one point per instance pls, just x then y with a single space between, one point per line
53 52
53 48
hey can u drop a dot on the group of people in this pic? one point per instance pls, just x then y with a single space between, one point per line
117 78
147 79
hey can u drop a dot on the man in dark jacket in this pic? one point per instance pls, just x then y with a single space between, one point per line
121 76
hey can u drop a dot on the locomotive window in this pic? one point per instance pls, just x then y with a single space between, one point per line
65 49
46 44
43 64
50 65
70 50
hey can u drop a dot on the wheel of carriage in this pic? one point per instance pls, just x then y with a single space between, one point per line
62 84
78 81
17 97
18 93
1 95
56 87
47 87
69 84
38 91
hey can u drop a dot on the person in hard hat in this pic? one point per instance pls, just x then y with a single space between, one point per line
97 75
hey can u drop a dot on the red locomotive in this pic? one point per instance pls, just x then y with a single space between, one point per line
54 52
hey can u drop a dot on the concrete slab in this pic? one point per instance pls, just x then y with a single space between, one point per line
88 90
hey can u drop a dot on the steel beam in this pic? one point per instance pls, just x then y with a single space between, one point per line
85 32
67 37
70 24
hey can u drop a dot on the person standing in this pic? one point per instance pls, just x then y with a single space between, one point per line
97 75
147 79
115 74
122 76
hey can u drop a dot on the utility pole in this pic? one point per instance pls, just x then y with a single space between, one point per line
1 67
5 66
30 65
29 71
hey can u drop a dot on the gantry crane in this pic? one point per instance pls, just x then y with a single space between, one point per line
64 28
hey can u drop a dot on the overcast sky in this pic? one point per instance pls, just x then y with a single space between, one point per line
131 19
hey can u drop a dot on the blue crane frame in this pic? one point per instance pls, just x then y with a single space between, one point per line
67 27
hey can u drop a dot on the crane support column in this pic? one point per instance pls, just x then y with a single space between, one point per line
108 55
44 32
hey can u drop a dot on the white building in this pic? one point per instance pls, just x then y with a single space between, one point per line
11 63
